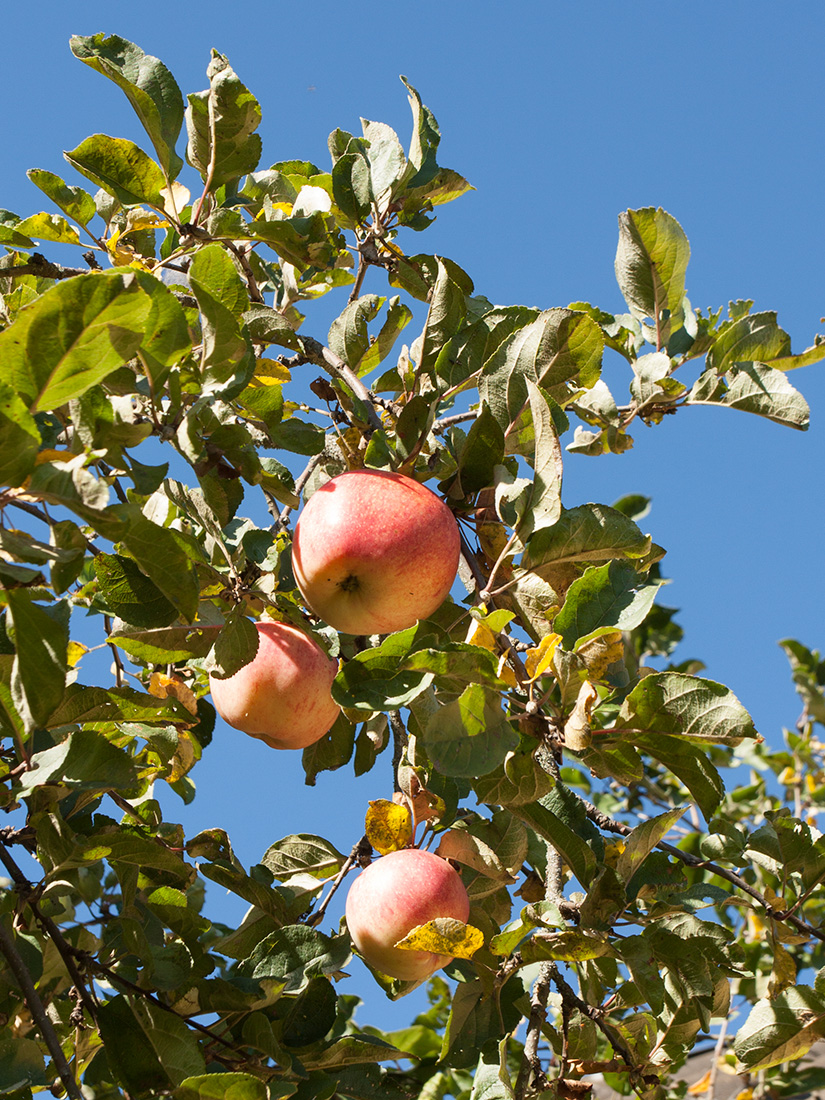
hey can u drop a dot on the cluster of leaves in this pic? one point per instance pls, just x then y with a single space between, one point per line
530 738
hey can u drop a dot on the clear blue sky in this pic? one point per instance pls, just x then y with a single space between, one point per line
561 115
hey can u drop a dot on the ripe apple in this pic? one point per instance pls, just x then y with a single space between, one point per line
374 551
283 695
394 895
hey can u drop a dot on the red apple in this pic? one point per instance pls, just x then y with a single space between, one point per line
374 551
394 895
283 695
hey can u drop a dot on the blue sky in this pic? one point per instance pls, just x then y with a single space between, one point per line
561 115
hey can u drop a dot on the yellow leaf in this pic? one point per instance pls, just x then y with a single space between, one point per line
702 1085
144 219
75 652
268 372
481 635
538 660
388 826
175 198
169 687
745 1094
444 936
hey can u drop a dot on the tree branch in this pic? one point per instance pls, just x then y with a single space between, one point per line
312 351
44 1024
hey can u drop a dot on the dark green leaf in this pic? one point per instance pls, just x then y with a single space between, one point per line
296 954
591 532
235 645
689 763
162 556
674 703
129 594
41 640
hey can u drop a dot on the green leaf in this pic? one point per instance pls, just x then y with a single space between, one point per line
75 203
303 853
755 388
388 165
85 761
651 262
397 319
222 1086
756 336
371 680
591 532
161 554
216 286
49 227
121 168
235 645
351 184
129 594
471 735
73 336
573 849
221 124
296 954
164 645
780 1029
351 1050
689 763
348 335
444 318
41 641
19 437
686 706
148 85
641 841
124 704
559 349
607 597
21 1066
483 450
148 1048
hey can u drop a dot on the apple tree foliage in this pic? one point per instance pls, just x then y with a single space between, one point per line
164 406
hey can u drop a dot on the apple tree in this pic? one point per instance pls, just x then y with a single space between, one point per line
642 871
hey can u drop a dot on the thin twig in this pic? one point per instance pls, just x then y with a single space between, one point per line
360 851
321 356
400 737
18 968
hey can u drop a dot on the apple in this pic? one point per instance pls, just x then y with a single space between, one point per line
394 895
374 551
283 695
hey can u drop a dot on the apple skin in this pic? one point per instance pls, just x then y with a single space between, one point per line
374 552
283 695
394 895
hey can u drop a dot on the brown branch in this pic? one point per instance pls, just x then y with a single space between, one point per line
612 826
360 852
32 998
399 737
43 268
530 1070
312 351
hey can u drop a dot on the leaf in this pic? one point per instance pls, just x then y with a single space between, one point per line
544 508
605 598
388 165
129 594
444 936
641 841
517 781
235 646
303 853
222 1086
49 227
756 336
689 763
575 852
84 761
560 346
162 556
72 337
754 388
40 664
295 954
445 316
221 299
21 1066
674 703
470 736
121 168
147 1047
482 452
397 319
388 826
348 335
590 532
371 680
19 437
221 124
148 85
463 847
781 1029
651 262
